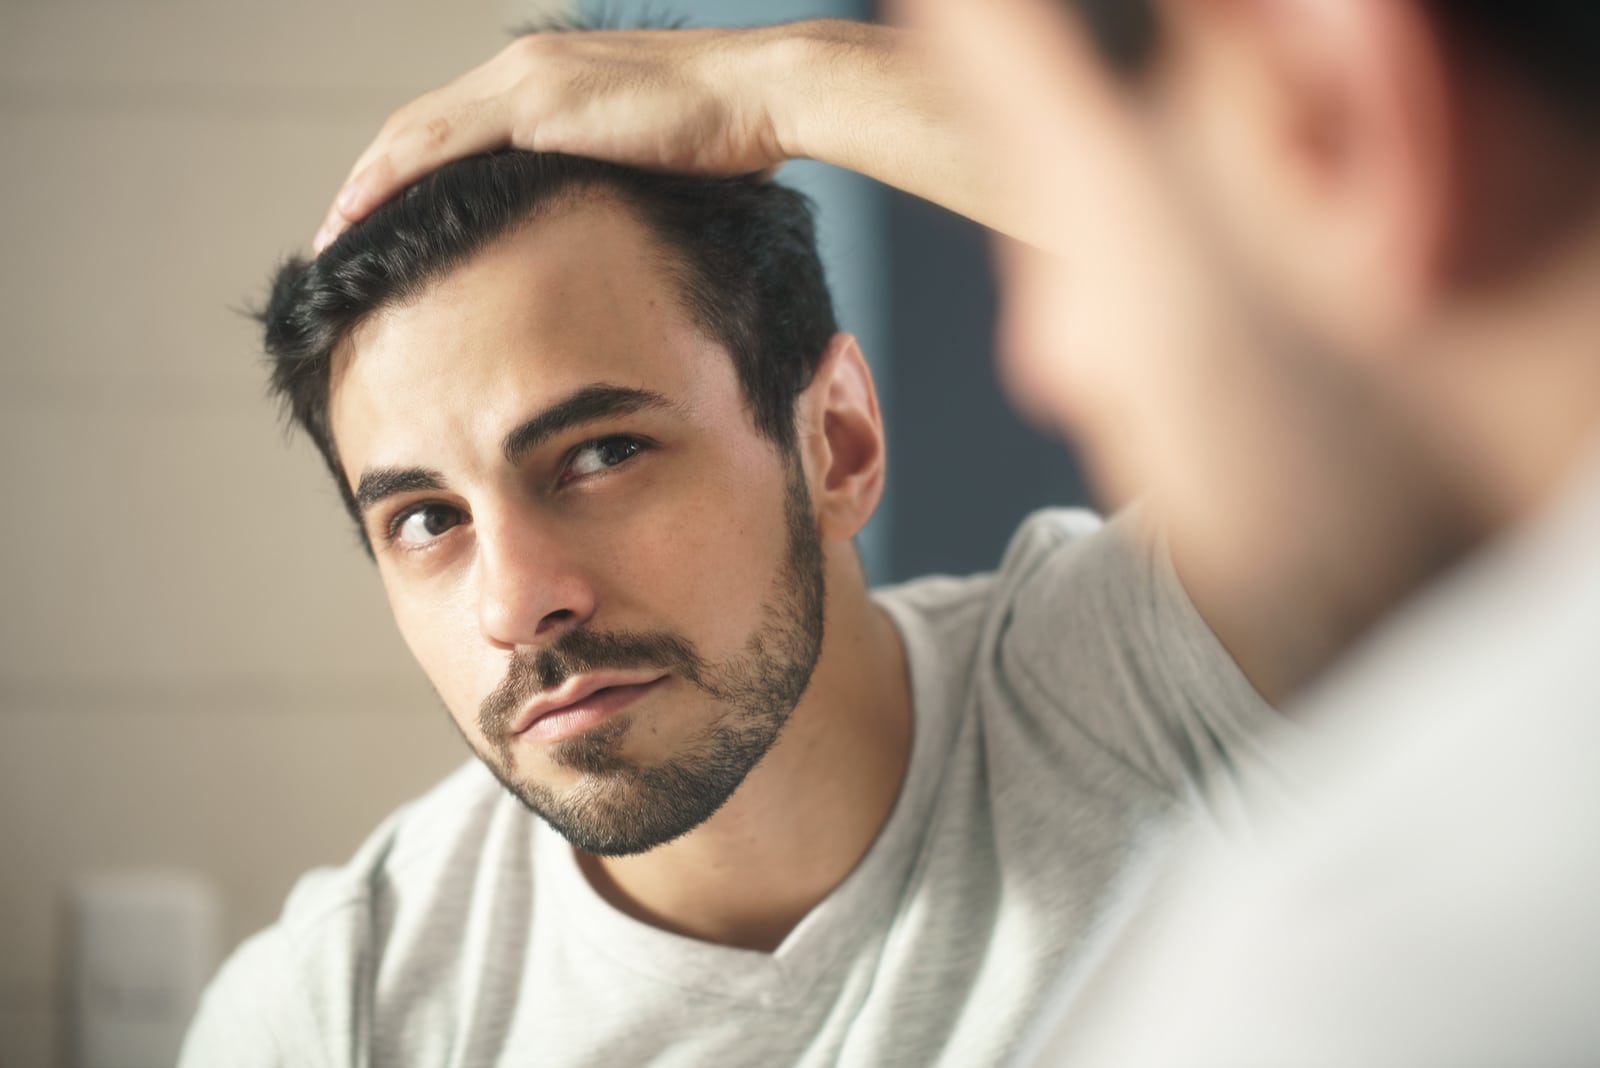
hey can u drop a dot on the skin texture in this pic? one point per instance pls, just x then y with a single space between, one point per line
621 805
692 538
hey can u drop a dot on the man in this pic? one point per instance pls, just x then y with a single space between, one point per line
608 451
1327 292
1393 208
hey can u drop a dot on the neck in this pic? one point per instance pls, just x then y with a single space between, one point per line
806 814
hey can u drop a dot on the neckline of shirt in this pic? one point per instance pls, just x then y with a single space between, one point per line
859 909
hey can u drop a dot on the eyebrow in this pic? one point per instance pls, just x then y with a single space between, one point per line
585 405
598 401
378 483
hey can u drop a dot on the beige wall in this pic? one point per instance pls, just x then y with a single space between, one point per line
196 666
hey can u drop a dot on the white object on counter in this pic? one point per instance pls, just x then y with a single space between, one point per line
142 946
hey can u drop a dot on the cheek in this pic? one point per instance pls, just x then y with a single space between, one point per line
696 557
699 562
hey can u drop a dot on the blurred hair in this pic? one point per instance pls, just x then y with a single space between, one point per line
1124 31
1553 44
742 252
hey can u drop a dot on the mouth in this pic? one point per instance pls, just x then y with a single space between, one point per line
581 705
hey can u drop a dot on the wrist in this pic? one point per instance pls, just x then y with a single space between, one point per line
798 70
776 69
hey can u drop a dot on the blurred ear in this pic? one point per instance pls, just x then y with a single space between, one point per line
1320 133
841 440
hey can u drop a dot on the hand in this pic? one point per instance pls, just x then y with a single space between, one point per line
678 100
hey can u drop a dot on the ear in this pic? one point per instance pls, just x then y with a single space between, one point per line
1323 131
841 440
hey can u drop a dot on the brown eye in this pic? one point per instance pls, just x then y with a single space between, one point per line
420 525
602 453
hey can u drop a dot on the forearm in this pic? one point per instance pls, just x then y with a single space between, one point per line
862 97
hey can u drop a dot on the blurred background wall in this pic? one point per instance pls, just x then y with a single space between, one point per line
197 669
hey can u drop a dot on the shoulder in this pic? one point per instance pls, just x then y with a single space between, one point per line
1070 574
1076 592
948 605
1096 648
304 986
419 843
1070 552
1045 534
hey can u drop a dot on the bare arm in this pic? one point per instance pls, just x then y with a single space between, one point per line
701 101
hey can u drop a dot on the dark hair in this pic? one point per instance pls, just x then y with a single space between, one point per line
742 251
1125 32
1554 44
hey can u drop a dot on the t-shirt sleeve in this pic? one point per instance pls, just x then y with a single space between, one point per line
253 1014
297 993
1099 641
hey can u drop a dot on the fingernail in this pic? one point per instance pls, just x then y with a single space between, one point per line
320 242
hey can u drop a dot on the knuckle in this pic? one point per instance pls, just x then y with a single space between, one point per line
436 131
524 131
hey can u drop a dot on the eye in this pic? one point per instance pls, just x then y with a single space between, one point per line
602 453
416 527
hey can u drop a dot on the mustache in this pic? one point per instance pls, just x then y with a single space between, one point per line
579 652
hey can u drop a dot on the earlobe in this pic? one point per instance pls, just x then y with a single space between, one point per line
842 440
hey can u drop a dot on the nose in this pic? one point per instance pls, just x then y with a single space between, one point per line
531 583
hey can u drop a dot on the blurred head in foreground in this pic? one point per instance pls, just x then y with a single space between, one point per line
599 433
1319 274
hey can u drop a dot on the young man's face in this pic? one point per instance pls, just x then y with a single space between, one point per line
612 580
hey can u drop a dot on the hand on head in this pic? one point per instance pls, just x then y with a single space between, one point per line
656 99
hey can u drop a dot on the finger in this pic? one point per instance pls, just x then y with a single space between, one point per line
327 231
422 148
333 222
415 151
458 95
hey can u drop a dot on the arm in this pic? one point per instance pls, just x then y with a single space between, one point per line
705 101
251 1014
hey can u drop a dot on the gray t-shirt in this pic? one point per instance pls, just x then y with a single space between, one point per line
1063 708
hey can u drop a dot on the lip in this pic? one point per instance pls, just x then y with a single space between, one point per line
583 702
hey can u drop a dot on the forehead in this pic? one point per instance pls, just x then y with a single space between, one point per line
579 296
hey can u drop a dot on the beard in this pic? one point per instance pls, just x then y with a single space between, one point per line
620 807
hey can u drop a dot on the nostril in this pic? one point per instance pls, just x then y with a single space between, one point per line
558 617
